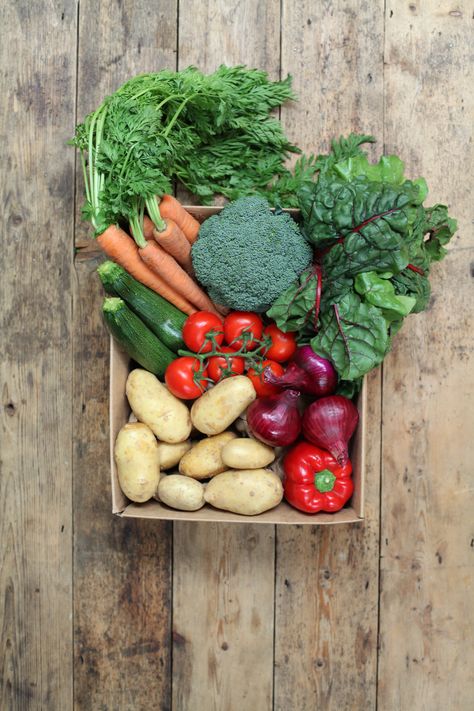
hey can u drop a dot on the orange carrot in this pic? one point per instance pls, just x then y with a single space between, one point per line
148 227
120 247
172 209
167 268
176 244
172 239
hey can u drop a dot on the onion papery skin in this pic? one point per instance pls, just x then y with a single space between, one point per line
307 372
275 420
329 423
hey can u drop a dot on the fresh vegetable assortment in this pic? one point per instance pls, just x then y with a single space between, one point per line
254 330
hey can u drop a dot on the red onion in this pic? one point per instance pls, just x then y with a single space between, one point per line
307 372
275 420
329 423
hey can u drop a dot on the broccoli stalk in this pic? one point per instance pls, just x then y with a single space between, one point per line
246 256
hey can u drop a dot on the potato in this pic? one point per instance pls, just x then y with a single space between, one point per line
245 491
214 411
170 454
181 492
138 462
204 460
247 454
153 404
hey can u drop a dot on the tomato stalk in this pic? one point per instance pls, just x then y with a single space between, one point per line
253 359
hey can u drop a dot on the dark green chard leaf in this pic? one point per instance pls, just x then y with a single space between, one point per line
410 283
441 228
373 220
353 336
433 229
349 388
295 308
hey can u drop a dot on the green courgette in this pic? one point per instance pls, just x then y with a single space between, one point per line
135 338
161 317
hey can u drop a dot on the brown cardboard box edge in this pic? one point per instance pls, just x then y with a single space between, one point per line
119 411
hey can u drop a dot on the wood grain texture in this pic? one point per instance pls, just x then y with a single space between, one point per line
327 580
122 569
85 597
223 616
427 524
230 32
223 575
327 602
37 187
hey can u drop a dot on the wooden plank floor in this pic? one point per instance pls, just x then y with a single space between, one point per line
102 613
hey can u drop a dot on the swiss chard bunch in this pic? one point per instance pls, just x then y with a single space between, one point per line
374 243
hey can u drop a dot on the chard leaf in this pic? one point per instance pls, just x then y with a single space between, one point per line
295 308
353 336
395 326
341 150
440 228
432 229
381 214
349 388
374 242
389 169
409 283
380 292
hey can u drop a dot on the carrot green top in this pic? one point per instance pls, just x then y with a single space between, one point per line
214 133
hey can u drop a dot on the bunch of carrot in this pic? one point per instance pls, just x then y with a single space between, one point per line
163 263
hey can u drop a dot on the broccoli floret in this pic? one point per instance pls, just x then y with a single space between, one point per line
246 256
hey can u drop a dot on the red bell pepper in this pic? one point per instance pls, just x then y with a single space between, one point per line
314 481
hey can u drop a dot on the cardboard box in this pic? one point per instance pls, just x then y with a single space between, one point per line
284 514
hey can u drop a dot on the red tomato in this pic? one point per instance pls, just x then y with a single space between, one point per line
283 344
261 387
197 326
179 377
239 322
217 364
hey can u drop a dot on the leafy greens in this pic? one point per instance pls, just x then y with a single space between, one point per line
214 133
374 243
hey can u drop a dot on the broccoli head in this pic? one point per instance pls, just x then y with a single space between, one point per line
246 255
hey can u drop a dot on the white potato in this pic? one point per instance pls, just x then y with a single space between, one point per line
153 404
214 411
204 459
170 454
181 492
245 491
246 453
138 462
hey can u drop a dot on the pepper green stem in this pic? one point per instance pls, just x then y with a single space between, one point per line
324 481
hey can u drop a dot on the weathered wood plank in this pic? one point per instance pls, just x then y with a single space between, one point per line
122 569
223 616
223 584
327 579
37 188
232 32
427 569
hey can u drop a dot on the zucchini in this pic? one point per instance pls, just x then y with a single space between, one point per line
135 338
161 317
